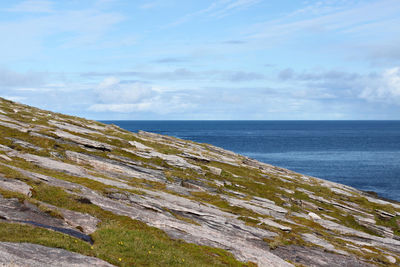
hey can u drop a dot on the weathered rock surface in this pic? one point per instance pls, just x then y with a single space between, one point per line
15 185
32 255
12 210
314 257
197 193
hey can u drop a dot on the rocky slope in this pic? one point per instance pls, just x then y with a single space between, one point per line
78 192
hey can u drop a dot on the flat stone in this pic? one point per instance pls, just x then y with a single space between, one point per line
85 222
14 126
15 186
5 148
140 146
317 257
314 216
5 157
341 192
25 144
214 170
84 141
384 215
276 225
115 167
391 259
173 160
32 255
68 168
72 127
323 243
265 208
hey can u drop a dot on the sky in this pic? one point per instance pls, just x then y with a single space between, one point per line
203 60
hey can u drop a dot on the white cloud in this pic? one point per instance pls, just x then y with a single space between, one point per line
111 90
387 89
114 95
124 108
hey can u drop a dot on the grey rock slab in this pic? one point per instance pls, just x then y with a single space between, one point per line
391 259
264 208
4 157
75 219
96 126
8 119
216 229
383 202
5 148
321 242
341 192
14 211
235 237
25 144
14 126
215 170
370 223
50 163
67 168
72 127
317 257
354 209
15 186
32 255
140 146
212 153
287 190
276 225
47 179
173 160
177 188
386 242
384 214
116 167
83 141
313 216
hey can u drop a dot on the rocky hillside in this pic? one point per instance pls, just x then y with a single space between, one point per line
82 193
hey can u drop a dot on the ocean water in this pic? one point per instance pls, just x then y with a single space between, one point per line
362 154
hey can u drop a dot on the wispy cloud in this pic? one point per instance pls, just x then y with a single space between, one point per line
185 74
171 60
152 4
349 18
9 78
33 6
27 37
217 9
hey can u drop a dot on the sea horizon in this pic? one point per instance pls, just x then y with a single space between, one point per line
364 154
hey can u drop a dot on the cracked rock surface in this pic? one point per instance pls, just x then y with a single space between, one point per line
76 177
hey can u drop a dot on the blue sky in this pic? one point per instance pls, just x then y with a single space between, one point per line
216 59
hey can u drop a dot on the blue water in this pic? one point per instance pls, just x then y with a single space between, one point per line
362 154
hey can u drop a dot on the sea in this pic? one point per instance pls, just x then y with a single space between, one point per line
361 154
